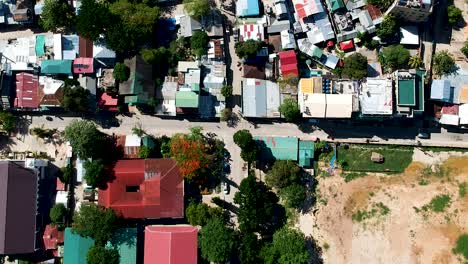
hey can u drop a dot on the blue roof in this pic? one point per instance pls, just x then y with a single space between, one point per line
76 248
441 90
247 8
306 153
278 148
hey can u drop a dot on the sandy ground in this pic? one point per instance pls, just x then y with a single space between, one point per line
402 235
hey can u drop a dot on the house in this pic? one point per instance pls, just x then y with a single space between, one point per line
188 25
277 26
288 63
88 83
247 8
310 49
409 35
125 241
139 87
52 238
278 148
145 188
409 92
131 145
27 91
188 92
19 54
411 10
40 45
335 5
50 92
281 10
377 97
108 103
70 47
170 244
17 210
75 248
57 47
166 97
56 67
306 153
260 98
287 40
347 45
83 66
251 31
85 47
254 71
442 91
313 20
104 57
212 24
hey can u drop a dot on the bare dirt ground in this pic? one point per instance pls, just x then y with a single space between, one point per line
395 229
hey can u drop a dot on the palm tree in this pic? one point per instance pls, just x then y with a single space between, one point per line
415 61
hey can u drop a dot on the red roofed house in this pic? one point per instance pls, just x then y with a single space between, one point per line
27 91
83 65
171 244
52 238
145 188
346 45
288 63
108 102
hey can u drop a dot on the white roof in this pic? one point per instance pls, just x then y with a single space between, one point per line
57 46
280 8
132 141
61 197
463 114
409 35
448 119
313 105
50 84
184 66
272 99
251 31
287 40
339 105
376 97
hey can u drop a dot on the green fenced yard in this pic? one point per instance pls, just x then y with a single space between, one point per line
358 158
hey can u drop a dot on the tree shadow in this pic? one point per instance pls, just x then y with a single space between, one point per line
127 236
314 250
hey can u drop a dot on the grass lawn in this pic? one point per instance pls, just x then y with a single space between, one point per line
357 157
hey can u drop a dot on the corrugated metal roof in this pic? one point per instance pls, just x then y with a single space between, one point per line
254 98
76 248
306 153
56 67
186 99
279 148
247 8
440 90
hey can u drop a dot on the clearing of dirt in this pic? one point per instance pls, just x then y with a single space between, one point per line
382 218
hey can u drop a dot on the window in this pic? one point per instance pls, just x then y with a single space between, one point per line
132 188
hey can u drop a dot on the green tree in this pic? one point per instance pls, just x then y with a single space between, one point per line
95 172
117 31
464 49
243 138
395 57
258 208
144 152
56 14
67 173
98 254
197 8
293 195
198 214
443 63
7 121
216 241
249 248
355 66
283 173
382 4
226 91
76 99
83 136
415 61
96 222
454 15
157 56
57 213
92 19
388 28
199 43
288 246
121 72
462 246
290 110
137 17
248 49
226 114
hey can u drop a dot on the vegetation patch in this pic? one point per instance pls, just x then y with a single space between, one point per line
349 176
438 203
358 158
462 189
378 209
462 246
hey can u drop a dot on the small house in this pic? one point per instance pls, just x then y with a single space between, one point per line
56 67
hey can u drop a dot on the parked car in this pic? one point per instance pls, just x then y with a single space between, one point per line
225 187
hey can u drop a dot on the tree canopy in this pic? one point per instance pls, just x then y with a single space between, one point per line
197 8
84 137
395 57
226 91
121 72
93 18
258 207
288 247
293 195
157 56
464 49
98 254
388 28
57 213
190 155
454 15
67 173
355 66
137 17
95 172
96 222
250 248
199 43
76 99
443 63
247 144
198 214
248 49
7 121
415 61
57 14
283 173
462 246
290 110
216 241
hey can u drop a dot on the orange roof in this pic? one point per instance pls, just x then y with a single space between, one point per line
463 98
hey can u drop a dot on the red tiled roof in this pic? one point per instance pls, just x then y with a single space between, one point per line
347 45
52 237
85 47
170 245
108 102
60 185
27 95
374 12
288 61
151 188
83 65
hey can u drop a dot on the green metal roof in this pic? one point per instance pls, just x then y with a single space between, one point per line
336 4
306 153
317 52
186 99
148 142
40 45
124 240
279 148
195 87
56 67
76 248
420 90
406 92
139 87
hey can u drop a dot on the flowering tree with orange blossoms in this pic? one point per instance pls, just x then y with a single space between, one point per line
190 155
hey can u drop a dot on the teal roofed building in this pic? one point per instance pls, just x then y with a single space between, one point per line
76 248
410 92
125 240
148 142
40 45
186 99
56 67
139 87
306 153
278 148
335 5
